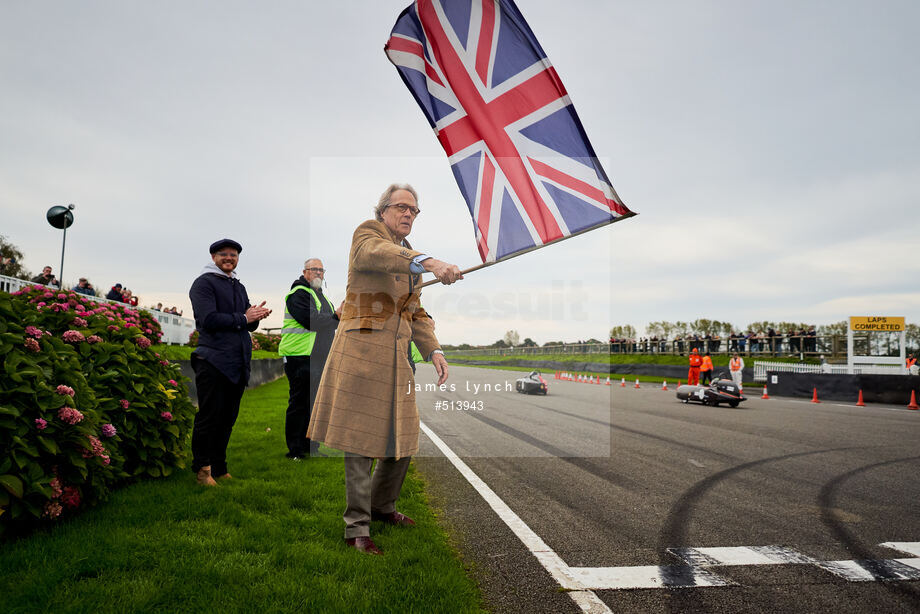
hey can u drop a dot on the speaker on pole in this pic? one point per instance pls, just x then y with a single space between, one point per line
61 217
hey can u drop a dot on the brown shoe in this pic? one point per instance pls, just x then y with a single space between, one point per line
363 544
204 476
393 518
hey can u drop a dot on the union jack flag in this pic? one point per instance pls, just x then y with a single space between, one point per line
517 149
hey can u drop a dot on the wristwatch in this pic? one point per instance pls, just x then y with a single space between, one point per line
433 352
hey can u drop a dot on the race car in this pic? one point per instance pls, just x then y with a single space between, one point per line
721 390
532 384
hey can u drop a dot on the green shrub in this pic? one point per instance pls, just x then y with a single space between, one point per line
193 339
85 404
269 343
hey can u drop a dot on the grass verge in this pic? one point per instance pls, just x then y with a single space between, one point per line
268 540
184 352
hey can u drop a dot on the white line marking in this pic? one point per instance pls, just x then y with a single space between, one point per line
866 408
740 555
908 547
648 576
873 570
696 463
586 600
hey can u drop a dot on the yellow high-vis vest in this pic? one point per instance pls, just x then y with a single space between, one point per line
295 339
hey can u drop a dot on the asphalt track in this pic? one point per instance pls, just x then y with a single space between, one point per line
779 497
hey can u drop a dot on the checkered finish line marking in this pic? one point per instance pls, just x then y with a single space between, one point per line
694 573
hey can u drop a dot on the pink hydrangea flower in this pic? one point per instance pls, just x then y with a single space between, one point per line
55 485
94 339
62 295
125 404
32 345
41 424
143 342
62 389
98 450
70 497
33 332
48 295
165 363
41 304
73 336
108 430
80 308
173 382
70 415
79 322
166 416
52 510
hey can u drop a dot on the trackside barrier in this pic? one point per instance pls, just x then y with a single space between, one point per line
761 368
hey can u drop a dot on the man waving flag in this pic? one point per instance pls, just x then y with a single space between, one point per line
518 151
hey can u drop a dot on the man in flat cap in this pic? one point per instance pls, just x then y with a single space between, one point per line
224 319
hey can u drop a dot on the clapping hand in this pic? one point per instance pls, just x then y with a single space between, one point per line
257 312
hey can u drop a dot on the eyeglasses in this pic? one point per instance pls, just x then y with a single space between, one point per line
228 254
403 208
315 270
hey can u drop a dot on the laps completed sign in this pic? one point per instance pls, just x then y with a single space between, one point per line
877 323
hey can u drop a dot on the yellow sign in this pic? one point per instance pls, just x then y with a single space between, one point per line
877 323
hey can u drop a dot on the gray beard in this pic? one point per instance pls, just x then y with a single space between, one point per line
316 283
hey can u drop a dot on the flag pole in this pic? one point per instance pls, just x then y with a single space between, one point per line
535 247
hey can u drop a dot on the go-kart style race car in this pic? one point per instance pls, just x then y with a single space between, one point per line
532 384
720 390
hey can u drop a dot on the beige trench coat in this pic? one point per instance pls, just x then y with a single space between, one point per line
365 403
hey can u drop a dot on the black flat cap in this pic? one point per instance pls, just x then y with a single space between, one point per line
217 245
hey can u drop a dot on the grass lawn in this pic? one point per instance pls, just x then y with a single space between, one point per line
184 352
269 540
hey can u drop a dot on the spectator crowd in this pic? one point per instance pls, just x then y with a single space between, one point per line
793 341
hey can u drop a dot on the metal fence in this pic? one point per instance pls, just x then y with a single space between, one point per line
761 368
176 329
832 347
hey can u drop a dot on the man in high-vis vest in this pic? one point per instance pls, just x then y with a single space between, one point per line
706 369
911 363
735 365
309 326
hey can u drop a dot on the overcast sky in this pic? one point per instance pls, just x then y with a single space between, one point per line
772 150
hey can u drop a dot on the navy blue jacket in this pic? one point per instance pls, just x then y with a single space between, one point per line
220 305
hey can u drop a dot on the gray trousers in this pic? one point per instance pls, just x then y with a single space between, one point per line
366 493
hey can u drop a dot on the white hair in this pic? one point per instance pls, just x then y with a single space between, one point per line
388 193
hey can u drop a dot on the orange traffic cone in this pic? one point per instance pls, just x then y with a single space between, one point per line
814 396
664 385
913 401
860 402
637 382
597 380
765 395
623 383
608 380
678 383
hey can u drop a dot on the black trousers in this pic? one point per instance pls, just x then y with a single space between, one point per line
300 406
705 377
218 408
